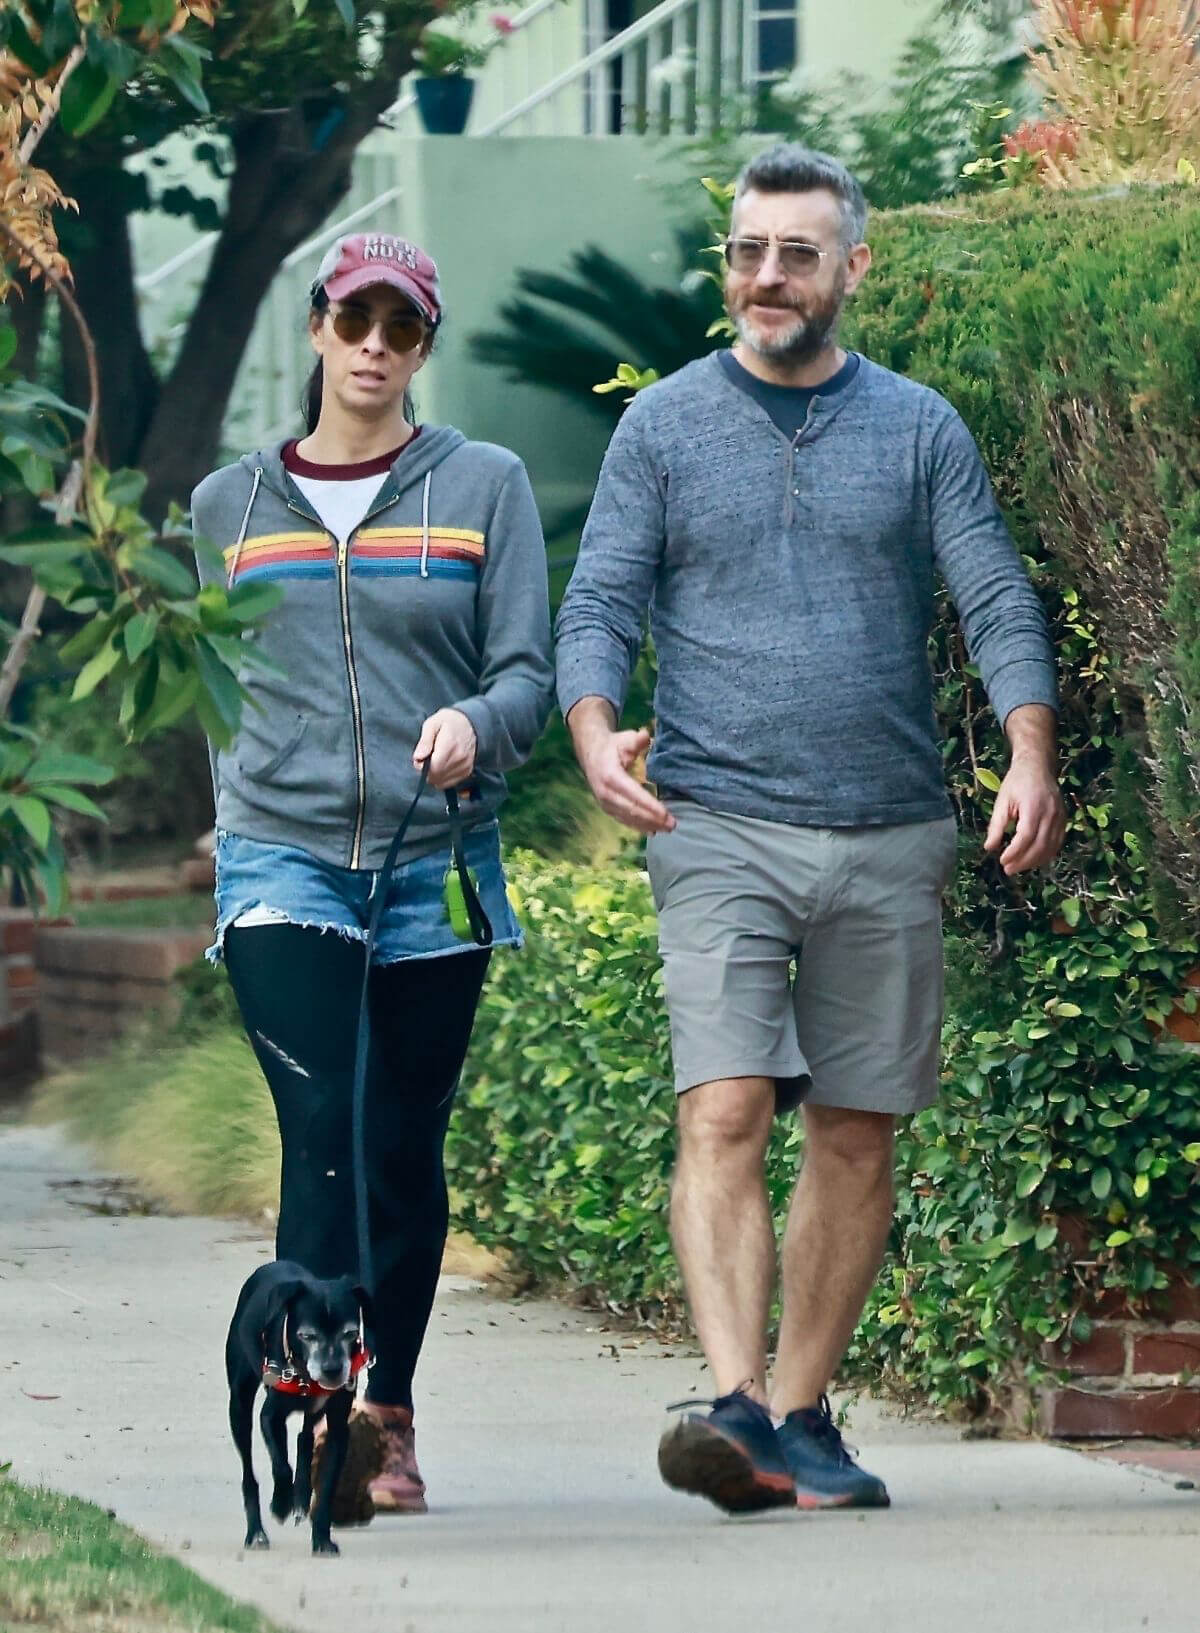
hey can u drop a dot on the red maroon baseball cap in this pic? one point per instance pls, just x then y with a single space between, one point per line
366 258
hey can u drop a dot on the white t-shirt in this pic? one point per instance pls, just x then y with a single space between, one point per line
340 504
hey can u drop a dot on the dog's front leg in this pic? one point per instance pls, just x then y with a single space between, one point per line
337 1438
241 1421
304 1456
274 1431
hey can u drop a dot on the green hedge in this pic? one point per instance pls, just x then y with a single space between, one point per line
562 1144
1066 330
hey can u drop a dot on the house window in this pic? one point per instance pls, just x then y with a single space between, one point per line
772 39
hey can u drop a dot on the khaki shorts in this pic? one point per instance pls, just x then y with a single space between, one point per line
810 955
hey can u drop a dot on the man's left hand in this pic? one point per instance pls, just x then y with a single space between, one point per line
1029 797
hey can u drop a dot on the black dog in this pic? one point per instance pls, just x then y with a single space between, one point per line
303 1341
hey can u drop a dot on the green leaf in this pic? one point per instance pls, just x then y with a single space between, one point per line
220 683
139 633
52 765
1045 1237
346 12
87 96
1071 909
179 60
1123 1044
248 602
8 344
1029 1180
73 799
1018 1231
1068 1010
987 779
125 488
1102 1183
34 817
48 554
974 1357
163 569
94 671
87 640
1118 1238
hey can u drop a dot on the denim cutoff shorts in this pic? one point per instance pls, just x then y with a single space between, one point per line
280 884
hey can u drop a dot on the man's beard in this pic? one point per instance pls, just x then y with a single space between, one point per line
814 328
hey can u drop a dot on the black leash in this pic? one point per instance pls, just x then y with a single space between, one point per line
481 932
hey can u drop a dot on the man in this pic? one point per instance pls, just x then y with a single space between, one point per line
782 509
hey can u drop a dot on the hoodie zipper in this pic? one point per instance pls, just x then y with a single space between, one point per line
360 749
360 746
360 753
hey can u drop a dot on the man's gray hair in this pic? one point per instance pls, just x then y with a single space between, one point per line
790 167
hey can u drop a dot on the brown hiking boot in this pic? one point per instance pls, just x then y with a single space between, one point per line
399 1489
366 1455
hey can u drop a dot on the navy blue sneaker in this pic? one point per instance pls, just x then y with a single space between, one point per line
730 1455
823 1472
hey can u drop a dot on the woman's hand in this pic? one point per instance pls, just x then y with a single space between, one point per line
447 741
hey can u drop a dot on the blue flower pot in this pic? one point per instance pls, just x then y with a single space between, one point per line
444 102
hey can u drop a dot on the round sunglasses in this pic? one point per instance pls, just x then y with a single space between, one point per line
401 334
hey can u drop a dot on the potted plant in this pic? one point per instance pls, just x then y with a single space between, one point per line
443 85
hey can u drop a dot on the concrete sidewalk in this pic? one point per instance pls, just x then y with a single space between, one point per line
536 1433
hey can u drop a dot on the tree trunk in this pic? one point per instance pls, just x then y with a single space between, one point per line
278 197
290 171
102 262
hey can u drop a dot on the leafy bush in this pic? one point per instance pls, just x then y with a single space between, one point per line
1065 331
1064 1104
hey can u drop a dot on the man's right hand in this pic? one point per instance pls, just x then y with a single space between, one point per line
607 757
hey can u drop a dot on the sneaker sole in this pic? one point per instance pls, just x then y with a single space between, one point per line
821 1499
699 1459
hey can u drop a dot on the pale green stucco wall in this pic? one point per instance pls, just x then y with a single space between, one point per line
486 209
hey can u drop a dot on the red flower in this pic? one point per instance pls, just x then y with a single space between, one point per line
502 24
1043 140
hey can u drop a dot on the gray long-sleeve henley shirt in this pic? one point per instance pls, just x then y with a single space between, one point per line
791 594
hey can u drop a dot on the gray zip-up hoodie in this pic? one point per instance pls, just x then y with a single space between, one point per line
437 600
791 593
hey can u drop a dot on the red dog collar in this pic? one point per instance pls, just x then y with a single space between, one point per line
292 1382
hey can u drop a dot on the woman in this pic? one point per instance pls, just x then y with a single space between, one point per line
414 625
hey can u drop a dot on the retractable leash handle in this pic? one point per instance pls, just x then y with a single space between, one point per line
481 931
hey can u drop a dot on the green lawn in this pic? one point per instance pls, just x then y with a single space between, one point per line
66 1565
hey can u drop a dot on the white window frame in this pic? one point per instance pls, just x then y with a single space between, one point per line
756 12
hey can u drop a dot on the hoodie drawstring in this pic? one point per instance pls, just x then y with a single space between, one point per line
425 525
241 538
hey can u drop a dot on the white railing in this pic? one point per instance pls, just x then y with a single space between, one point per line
544 35
668 73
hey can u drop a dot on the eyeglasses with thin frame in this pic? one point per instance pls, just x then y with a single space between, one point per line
403 333
797 259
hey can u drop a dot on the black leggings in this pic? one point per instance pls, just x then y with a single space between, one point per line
298 991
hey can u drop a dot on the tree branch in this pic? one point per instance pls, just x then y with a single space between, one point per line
62 289
50 112
27 633
71 490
